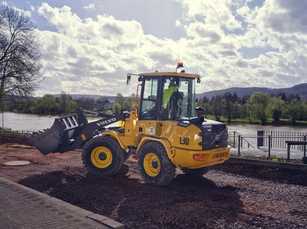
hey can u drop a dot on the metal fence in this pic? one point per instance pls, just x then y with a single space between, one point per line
240 142
12 136
268 141
277 139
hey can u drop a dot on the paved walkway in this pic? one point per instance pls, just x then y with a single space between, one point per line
22 207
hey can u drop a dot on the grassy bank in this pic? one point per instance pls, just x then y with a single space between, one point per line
12 136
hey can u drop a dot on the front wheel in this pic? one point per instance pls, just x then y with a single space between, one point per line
103 156
154 164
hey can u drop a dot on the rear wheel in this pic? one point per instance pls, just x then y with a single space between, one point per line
154 165
103 156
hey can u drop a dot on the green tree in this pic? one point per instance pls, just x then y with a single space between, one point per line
239 111
46 105
118 104
132 102
295 110
49 104
216 105
276 108
66 104
87 103
258 104
121 103
305 111
229 105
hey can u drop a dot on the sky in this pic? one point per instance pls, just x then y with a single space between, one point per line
88 46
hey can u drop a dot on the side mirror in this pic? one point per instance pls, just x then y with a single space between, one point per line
128 78
198 80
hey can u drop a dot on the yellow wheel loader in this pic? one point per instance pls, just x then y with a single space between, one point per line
164 132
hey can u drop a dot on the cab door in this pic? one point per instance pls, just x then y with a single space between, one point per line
148 123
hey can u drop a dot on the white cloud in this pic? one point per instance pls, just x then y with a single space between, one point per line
93 55
228 42
285 16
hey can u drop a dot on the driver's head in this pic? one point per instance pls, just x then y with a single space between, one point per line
173 83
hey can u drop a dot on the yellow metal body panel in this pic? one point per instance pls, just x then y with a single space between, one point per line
186 158
182 144
129 136
172 132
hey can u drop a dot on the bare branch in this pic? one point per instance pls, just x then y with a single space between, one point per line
18 53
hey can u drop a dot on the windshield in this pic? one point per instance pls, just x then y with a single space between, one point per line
178 100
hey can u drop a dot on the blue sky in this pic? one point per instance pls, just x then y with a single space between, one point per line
154 15
88 46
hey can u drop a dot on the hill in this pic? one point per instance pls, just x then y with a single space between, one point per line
300 89
94 97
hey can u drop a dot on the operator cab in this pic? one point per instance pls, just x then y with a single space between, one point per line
167 96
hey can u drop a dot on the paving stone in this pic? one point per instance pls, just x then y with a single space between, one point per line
25 208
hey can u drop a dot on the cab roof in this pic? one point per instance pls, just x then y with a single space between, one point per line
170 74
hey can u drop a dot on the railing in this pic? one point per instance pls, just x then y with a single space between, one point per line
277 139
238 141
12 136
268 142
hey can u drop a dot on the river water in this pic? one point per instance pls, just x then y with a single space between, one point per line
29 122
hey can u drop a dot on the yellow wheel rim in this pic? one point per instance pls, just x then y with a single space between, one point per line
152 164
101 157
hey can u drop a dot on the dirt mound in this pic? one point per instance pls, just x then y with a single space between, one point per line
201 202
280 175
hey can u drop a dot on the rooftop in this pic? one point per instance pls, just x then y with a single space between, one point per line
170 74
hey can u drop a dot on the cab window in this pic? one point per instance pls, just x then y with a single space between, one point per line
178 99
149 101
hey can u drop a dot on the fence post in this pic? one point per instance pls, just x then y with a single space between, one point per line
234 139
260 136
270 146
239 145
288 151
305 139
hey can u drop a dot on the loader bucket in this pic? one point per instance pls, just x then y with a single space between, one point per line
57 138
48 140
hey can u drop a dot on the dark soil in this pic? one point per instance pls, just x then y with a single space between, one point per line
226 197
275 174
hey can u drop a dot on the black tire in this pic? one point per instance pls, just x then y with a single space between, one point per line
195 172
167 169
118 156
